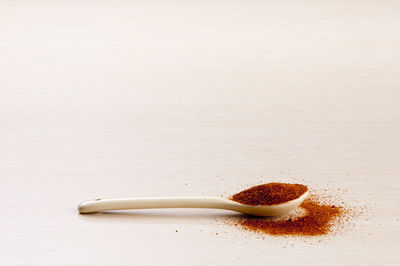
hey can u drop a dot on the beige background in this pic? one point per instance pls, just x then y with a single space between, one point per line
171 98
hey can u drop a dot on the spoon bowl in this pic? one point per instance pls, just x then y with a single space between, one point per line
100 205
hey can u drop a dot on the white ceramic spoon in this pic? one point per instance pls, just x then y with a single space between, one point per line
100 205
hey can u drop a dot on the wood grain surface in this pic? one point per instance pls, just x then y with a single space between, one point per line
191 98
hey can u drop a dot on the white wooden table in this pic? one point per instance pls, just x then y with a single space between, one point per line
170 98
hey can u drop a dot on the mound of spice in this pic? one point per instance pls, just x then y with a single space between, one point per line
317 220
269 194
318 216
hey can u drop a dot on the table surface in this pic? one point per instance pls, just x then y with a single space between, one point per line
193 98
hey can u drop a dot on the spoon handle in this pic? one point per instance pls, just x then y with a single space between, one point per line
100 205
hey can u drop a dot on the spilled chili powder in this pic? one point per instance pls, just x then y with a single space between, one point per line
318 216
269 194
316 221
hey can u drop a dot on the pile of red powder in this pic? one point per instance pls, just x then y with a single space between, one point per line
269 194
318 216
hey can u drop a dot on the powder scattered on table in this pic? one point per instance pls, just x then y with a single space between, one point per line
317 220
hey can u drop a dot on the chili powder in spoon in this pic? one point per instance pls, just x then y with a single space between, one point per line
270 194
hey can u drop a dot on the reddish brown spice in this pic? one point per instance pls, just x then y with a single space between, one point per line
317 220
269 194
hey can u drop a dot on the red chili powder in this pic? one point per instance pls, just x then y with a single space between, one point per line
317 221
318 216
269 194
